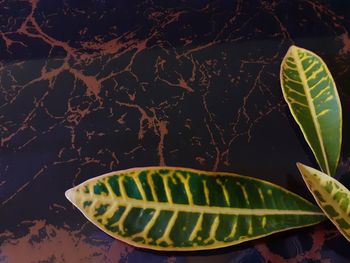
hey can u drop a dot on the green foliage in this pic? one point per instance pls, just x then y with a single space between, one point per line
310 91
313 100
167 208
180 209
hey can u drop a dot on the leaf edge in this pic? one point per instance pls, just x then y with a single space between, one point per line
195 248
316 199
331 173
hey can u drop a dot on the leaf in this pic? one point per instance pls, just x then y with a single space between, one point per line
310 91
167 208
331 196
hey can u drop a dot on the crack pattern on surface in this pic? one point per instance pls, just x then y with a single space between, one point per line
90 88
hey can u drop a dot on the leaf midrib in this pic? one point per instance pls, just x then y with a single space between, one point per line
311 105
165 206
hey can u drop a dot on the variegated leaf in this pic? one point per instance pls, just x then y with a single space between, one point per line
311 94
166 208
330 195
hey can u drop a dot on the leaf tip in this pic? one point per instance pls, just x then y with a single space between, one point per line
304 170
70 195
291 48
300 166
308 173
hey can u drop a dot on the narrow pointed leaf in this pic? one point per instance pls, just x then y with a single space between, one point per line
332 197
167 208
310 91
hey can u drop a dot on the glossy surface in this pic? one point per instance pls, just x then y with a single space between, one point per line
331 196
312 96
90 87
179 209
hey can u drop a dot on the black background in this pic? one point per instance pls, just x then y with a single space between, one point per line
88 87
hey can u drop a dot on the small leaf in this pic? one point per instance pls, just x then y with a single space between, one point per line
310 91
330 195
167 208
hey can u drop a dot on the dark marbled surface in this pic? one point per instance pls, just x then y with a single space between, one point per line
87 87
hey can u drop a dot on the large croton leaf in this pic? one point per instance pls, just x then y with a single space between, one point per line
166 208
311 94
330 195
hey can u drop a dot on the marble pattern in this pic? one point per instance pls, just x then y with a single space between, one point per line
88 87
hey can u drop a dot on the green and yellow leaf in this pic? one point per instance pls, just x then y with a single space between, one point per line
179 209
310 91
332 197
